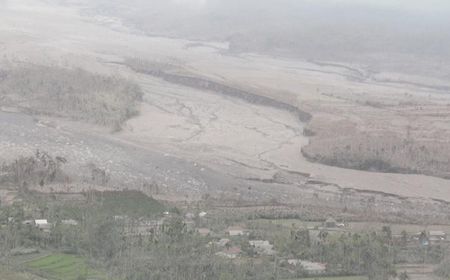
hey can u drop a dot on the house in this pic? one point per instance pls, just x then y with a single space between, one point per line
236 231
190 216
43 225
41 222
262 247
437 236
69 222
120 218
230 253
312 268
204 231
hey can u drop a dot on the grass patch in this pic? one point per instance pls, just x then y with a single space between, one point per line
9 274
286 222
131 203
334 278
134 204
64 267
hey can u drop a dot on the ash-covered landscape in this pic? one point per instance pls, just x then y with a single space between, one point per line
213 139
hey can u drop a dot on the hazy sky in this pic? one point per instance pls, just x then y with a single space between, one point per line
424 5
417 5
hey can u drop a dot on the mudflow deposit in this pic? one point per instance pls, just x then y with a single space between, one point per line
182 119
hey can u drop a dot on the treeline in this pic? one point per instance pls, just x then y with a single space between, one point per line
381 152
38 169
71 93
373 254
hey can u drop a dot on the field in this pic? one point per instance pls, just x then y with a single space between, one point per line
7 274
64 267
335 278
130 203
133 204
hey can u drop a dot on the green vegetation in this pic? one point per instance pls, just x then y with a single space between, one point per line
129 203
132 204
8 274
64 267
139 247
335 278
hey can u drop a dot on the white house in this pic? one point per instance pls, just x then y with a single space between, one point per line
41 222
236 231
69 222
437 235
43 225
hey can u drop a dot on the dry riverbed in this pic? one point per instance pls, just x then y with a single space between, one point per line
194 141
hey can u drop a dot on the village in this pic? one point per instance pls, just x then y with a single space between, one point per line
297 249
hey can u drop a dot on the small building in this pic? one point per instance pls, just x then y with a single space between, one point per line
236 231
190 216
437 236
262 247
204 231
202 214
121 218
69 222
41 222
230 253
312 268
43 225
